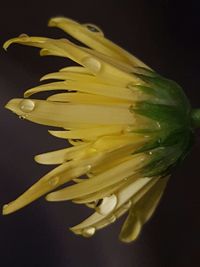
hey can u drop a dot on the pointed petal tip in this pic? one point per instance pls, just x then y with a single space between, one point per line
53 22
15 105
44 52
11 105
9 208
128 236
5 210
50 197
18 39
36 159
7 44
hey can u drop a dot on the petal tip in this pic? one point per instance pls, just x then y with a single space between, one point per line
49 197
19 39
10 105
7 209
7 44
13 105
54 21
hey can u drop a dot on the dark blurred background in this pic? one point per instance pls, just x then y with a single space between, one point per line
165 35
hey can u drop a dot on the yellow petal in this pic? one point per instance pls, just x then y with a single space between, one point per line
91 133
60 114
142 211
99 219
89 87
107 143
63 155
50 181
67 75
84 98
147 205
100 194
101 181
76 69
94 40
96 65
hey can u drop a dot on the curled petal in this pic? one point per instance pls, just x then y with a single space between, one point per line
99 182
92 36
141 212
49 182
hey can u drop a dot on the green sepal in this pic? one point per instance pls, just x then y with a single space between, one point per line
160 113
168 156
168 87
169 109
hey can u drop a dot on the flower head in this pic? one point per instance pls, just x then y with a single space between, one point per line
128 127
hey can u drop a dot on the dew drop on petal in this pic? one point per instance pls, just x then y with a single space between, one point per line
89 167
158 125
88 232
93 28
22 117
27 105
23 35
108 204
54 181
92 64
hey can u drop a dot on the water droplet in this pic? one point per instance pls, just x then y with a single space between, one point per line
22 117
128 129
89 167
54 181
92 63
27 105
108 204
94 28
88 232
23 35
159 141
158 125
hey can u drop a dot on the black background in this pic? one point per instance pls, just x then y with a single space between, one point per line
165 35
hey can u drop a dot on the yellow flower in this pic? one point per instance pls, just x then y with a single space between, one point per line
127 125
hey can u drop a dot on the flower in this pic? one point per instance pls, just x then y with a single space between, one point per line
128 127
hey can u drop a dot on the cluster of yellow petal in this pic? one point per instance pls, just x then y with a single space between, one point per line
95 115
